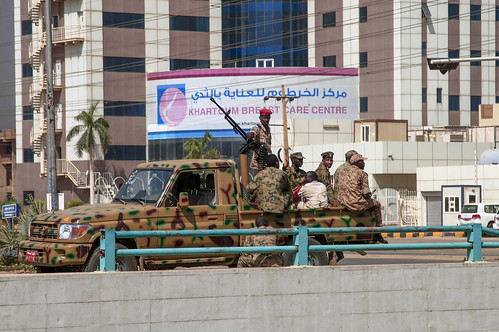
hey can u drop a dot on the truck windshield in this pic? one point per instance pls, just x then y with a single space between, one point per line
144 185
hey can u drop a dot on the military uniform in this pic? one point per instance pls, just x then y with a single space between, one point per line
263 137
270 190
249 259
312 195
296 177
352 185
324 177
336 177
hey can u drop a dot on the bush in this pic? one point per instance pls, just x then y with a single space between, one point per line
73 203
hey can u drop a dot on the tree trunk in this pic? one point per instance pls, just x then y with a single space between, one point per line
91 174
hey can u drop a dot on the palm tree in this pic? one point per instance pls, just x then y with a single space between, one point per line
91 131
196 149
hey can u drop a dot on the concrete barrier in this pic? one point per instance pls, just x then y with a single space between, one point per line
438 297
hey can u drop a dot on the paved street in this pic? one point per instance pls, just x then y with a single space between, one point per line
418 256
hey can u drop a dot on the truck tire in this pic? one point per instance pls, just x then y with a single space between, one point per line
314 258
123 263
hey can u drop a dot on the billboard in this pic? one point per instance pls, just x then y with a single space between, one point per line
180 100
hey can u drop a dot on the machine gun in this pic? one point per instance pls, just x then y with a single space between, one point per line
250 143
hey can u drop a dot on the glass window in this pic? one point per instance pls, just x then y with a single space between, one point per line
178 64
123 20
451 204
199 185
453 11
189 23
454 54
126 152
475 54
364 135
329 61
123 64
453 103
475 12
124 108
28 196
423 48
329 20
424 95
439 95
470 208
475 102
26 27
145 185
27 70
497 62
497 14
28 156
362 14
363 104
363 60
27 113
497 99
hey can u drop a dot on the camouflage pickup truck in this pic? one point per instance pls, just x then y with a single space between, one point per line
171 195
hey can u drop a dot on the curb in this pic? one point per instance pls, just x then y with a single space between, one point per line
422 234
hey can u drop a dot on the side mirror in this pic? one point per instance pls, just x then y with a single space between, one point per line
183 199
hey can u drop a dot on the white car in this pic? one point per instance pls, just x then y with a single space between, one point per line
484 213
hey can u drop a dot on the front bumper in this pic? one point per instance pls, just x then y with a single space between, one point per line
53 254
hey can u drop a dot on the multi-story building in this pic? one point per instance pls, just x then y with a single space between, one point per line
103 50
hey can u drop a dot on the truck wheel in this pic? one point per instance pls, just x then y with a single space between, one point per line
490 224
314 258
124 263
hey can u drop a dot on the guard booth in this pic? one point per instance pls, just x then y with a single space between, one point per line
453 199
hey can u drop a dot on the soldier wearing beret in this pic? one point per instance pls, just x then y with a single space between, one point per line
324 176
354 192
261 134
295 174
348 155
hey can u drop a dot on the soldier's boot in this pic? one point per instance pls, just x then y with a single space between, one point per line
378 238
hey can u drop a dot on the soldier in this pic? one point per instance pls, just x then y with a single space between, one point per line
259 259
354 192
261 134
348 155
295 174
324 176
313 194
270 188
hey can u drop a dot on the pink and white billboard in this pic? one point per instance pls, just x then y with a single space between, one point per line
180 100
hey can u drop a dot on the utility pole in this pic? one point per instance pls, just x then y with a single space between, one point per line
50 148
285 128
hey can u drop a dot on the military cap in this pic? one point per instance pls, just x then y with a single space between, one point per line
350 153
297 155
356 157
327 154
265 111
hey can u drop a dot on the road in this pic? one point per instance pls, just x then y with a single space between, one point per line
418 256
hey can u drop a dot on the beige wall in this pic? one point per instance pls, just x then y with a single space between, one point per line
489 122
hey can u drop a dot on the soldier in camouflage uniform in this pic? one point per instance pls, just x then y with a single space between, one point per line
348 155
354 192
325 177
260 259
270 188
261 134
295 174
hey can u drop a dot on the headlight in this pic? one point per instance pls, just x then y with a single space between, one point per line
68 231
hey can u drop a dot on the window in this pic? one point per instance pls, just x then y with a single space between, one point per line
363 104
28 156
439 95
453 103
55 21
362 14
364 133
475 102
475 54
26 27
363 60
200 185
178 64
27 113
189 23
452 204
454 54
124 108
27 70
329 61
475 12
497 14
28 197
453 11
497 62
329 20
126 152
122 64
8 174
497 99
423 48
123 20
424 95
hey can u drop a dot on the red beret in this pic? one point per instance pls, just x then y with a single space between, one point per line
265 111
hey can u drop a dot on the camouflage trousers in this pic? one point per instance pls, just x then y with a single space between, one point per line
260 260
375 206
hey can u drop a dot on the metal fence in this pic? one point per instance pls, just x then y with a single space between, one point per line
300 246
398 207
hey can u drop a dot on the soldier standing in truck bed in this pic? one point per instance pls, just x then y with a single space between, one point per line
261 134
295 174
324 176
270 188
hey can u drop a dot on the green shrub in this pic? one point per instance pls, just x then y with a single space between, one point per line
73 203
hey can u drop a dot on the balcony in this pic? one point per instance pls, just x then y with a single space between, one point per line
67 34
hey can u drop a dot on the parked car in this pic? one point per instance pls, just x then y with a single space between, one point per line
485 213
